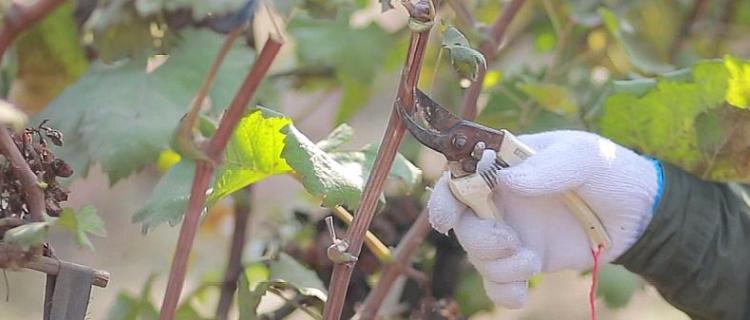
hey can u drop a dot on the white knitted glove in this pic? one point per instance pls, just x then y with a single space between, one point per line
539 233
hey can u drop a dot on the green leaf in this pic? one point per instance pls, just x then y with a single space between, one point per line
85 222
265 143
119 32
199 8
674 120
28 235
169 199
356 54
283 272
465 60
552 97
321 175
49 57
617 285
363 160
252 287
640 53
338 137
470 294
131 307
123 116
355 95
253 153
286 270
454 38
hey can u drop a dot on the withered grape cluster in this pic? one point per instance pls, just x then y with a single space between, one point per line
33 144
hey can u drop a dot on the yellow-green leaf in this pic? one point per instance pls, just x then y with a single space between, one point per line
253 153
687 121
738 93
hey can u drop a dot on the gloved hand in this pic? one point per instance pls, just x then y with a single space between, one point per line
538 232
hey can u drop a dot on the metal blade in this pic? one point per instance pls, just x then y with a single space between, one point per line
432 139
436 116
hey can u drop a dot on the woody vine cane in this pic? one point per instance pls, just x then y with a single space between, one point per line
422 14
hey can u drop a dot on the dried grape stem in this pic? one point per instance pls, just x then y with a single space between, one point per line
488 48
204 172
394 133
29 181
16 21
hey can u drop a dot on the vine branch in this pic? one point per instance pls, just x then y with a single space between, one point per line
204 172
242 208
394 133
408 246
488 48
402 256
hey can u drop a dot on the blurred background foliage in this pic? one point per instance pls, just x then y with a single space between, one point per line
665 77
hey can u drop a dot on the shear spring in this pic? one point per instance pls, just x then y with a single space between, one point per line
490 175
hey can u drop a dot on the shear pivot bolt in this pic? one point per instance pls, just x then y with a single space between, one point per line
459 142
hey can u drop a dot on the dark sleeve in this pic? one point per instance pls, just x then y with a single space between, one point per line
696 250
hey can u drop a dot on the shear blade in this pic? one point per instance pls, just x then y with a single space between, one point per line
436 116
430 138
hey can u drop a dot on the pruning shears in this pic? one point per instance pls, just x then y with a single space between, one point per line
462 142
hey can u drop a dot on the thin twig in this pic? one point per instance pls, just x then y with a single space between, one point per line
488 48
242 210
402 257
377 247
314 315
394 133
33 193
204 172
213 71
284 311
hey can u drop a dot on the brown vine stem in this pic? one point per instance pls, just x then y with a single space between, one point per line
402 256
421 227
204 172
16 21
210 78
377 247
394 133
242 208
488 48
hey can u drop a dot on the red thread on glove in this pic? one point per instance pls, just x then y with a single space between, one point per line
594 277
